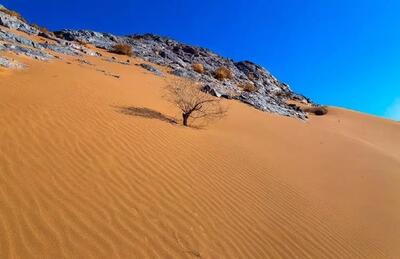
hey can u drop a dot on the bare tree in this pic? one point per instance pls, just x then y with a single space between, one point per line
192 102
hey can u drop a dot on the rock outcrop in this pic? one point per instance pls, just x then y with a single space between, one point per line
151 69
10 63
270 94
13 22
267 93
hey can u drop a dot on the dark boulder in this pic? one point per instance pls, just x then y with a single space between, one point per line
151 69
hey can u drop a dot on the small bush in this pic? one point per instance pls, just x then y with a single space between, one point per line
251 76
40 28
223 73
317 110
199 68
14 14
122 49
81 42
248 87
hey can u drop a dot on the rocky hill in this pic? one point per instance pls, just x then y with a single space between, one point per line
247 82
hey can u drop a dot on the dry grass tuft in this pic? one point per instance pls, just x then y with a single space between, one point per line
223 73
199 68
248 87
122 49
317 110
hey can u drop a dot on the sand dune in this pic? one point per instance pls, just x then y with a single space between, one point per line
81 178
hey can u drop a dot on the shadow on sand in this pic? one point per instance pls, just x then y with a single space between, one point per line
145 113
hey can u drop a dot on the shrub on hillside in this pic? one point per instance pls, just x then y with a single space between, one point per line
248 87
223 73
193 103
317 110
251 76
122 49
81 42
199 68
40 28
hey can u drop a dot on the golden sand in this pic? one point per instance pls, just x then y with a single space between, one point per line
82 178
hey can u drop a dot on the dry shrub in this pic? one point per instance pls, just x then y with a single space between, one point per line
81 42
199 68
223 73
14 14
251 76
193 103
317 110
40 28
248 87
122 49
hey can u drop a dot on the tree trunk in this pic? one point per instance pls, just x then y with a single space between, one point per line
185 117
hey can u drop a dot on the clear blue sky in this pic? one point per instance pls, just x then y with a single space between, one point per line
338 52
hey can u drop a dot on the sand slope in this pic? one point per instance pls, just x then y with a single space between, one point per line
80 178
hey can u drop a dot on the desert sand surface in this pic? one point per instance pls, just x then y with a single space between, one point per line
89 169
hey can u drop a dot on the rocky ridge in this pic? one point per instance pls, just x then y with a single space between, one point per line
267 94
